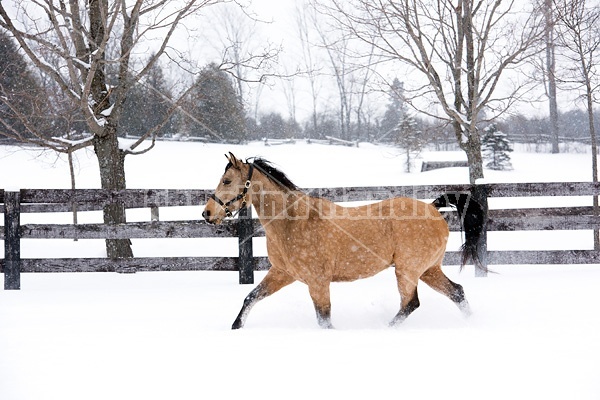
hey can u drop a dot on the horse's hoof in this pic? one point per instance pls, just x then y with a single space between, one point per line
326 325
237 325
465 309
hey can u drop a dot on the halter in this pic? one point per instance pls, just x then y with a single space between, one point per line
241 196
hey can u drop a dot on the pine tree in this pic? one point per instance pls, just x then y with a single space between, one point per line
495 148
394 113
409 137
148 105
216 106
20 93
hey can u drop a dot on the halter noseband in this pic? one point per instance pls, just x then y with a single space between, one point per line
241 196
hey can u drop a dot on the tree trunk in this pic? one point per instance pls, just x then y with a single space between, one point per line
473 151
553 114
550 73
594 142
111 160
72 173
472 148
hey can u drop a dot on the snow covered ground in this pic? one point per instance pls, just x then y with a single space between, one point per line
165 335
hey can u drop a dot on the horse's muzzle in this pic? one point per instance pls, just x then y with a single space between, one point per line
207 217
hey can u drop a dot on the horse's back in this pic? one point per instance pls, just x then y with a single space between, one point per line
402 212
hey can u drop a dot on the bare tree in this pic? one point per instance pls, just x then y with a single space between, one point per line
290 92
306 18
80 34
362 76
579 35
235 34
351 63
338 53
550 73
458 49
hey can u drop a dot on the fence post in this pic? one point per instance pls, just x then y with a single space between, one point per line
596 212
245 230
480 194
12 241
154 215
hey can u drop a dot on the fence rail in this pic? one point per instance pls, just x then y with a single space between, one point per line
13 204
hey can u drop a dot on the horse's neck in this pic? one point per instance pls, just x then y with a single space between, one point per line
273 203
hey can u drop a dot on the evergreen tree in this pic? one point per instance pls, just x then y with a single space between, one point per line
274 126
409 137
495 148
394 113
322 125
19 89
215 107
148 105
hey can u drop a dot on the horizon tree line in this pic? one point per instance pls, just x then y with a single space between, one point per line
81 57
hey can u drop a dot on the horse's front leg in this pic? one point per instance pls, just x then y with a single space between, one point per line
322 301
272 282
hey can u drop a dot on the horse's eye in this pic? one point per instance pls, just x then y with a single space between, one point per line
226 181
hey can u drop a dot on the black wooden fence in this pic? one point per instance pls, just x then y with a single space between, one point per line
13 204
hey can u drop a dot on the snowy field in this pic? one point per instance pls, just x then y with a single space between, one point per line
534 334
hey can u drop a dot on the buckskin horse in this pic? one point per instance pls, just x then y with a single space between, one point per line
315 241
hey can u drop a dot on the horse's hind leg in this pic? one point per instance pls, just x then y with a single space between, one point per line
272 282
409 299
435 278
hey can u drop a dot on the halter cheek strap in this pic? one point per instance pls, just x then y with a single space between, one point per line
241 196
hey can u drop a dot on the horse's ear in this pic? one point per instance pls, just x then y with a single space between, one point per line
233 160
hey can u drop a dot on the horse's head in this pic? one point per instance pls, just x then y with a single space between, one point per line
232 192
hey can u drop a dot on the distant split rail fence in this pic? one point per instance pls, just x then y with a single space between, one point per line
15 203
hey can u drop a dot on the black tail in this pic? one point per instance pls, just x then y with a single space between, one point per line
472 221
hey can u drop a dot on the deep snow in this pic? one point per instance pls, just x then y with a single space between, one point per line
165 335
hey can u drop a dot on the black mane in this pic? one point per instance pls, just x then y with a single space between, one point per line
275 175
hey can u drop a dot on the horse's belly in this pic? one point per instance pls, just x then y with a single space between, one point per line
362 260
349 271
